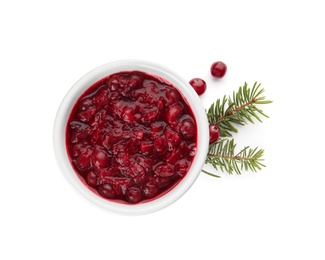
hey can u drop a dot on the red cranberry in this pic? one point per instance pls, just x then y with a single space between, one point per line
150 114
191 151
136 81
85 103
140 179
150 190
187 128
128 114
172 137
110 172
146 147
126 171
138 133
145 162
122 158
214 133
172 96
87 114
113 84
199 85
107 191
151 86
79 148
162 182
218 69
174 156
174 112
133 195
160 145
84 160
123 184
182 167
91 179
99 119
164 170
100 159
101 98
78 136
137 169
123 80
157 126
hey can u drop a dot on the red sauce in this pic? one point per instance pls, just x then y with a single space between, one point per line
131 137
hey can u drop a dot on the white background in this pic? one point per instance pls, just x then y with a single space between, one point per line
277 213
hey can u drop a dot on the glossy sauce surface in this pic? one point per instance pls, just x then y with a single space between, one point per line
131 137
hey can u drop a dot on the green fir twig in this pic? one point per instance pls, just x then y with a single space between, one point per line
239 109
228 113
222 156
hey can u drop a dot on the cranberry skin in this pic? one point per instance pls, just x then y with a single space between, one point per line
160 145
133 195
218 69
100 159
181 167
150 190
146 147
107 191
162 182
164 170
91 179
83 161
214 133
137 169
172 96
199 85
187 128
174 112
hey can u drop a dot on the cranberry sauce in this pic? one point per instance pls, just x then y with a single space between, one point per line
131 137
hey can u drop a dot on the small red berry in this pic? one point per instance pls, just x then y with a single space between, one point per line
107 191
218 69
133 195
174 112
164 170
150 190
214 133
188 128
91 179
199 85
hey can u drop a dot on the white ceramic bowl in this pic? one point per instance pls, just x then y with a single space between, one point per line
89 79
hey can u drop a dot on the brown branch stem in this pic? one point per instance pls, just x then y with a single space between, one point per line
234 157
232 111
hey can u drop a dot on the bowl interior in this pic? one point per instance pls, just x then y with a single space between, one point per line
89 79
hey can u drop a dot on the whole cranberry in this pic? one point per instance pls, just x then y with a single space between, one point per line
150 190
214 133
218 69
91 179
100 159
133 195
107 191
188 128
174 112
199 85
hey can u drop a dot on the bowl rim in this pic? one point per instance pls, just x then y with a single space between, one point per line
64 110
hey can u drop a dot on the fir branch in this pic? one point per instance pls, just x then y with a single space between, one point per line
227 113
237 110
222 157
